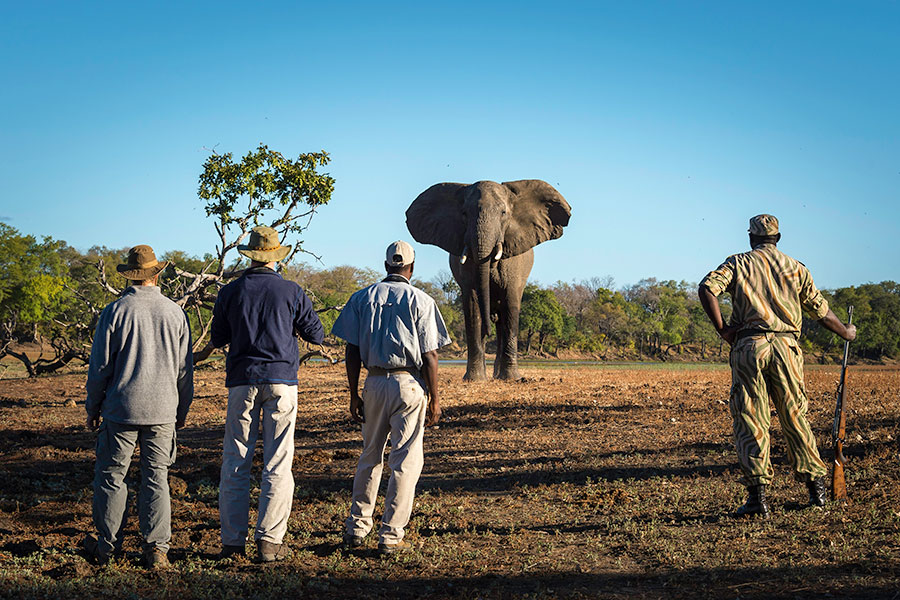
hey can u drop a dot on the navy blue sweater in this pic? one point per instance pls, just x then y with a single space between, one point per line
260 316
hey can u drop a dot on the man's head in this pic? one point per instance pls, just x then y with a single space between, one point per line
141 267
399 259
763 230
264 247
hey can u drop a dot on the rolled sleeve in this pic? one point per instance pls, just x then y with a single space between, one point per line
101 365
430 328
814 303
346 326
717 281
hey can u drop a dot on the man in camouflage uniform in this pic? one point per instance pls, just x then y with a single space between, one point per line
768 289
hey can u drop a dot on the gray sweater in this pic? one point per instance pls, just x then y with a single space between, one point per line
142 370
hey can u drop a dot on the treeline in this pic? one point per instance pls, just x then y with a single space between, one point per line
664 318
51 295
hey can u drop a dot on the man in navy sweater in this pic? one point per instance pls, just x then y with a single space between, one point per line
259 317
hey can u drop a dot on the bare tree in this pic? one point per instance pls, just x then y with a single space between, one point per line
262 188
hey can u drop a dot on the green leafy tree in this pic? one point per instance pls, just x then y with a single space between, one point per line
262 188
34 296
329 289
448 296
876 313
540 314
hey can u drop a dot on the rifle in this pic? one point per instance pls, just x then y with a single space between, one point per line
838 484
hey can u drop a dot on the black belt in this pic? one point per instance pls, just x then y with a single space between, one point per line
381 371
754 332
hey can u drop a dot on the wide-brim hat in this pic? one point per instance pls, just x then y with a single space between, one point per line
141 264
264 246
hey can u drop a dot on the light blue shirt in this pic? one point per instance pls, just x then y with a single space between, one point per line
393 323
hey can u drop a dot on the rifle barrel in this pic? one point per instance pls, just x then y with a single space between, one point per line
838 483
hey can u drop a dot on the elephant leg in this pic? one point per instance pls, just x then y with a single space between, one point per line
501 345
507 363
475 370
512 274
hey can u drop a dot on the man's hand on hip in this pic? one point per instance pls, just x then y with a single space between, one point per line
356 408
92 422
729 333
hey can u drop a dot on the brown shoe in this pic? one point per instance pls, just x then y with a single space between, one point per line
155 559
269 552
229 551
352 541
392 549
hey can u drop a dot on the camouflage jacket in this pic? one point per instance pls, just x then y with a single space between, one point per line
768 289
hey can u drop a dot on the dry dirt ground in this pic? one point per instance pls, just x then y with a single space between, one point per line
577 482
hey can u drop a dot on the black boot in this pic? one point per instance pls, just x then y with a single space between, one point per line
755 504
817 494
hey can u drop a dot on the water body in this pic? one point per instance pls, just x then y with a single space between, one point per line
556 364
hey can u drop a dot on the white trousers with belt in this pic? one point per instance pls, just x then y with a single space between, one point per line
395 405
271 408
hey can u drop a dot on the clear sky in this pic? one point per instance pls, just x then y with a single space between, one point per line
666 125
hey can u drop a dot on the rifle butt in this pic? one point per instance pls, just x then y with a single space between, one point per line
838 483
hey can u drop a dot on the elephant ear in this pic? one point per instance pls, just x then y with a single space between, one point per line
436 217
539 213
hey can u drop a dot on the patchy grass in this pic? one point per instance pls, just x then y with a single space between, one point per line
578 482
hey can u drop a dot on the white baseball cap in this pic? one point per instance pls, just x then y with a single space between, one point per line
399 254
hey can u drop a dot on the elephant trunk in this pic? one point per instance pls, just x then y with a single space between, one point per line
486 238
484 296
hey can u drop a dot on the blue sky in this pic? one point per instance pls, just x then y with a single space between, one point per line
666 125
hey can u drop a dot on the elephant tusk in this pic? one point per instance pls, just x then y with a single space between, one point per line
464 257
499 254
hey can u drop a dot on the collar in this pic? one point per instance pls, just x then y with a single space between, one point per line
142 289
394 277
260 271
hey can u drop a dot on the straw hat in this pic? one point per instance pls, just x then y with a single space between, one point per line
264 246
141 264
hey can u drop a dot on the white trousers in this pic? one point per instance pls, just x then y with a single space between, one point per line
395 405
272 408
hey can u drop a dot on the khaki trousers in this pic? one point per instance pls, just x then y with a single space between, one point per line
764 368
395 405
271 408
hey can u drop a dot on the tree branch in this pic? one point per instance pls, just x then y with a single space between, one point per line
104 283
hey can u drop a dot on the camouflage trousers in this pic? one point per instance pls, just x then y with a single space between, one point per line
764 367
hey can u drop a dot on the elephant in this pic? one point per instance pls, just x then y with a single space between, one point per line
490 230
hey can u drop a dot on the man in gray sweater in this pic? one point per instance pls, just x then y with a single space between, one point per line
140 382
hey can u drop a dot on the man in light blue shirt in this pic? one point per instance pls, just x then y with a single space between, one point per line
395 330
